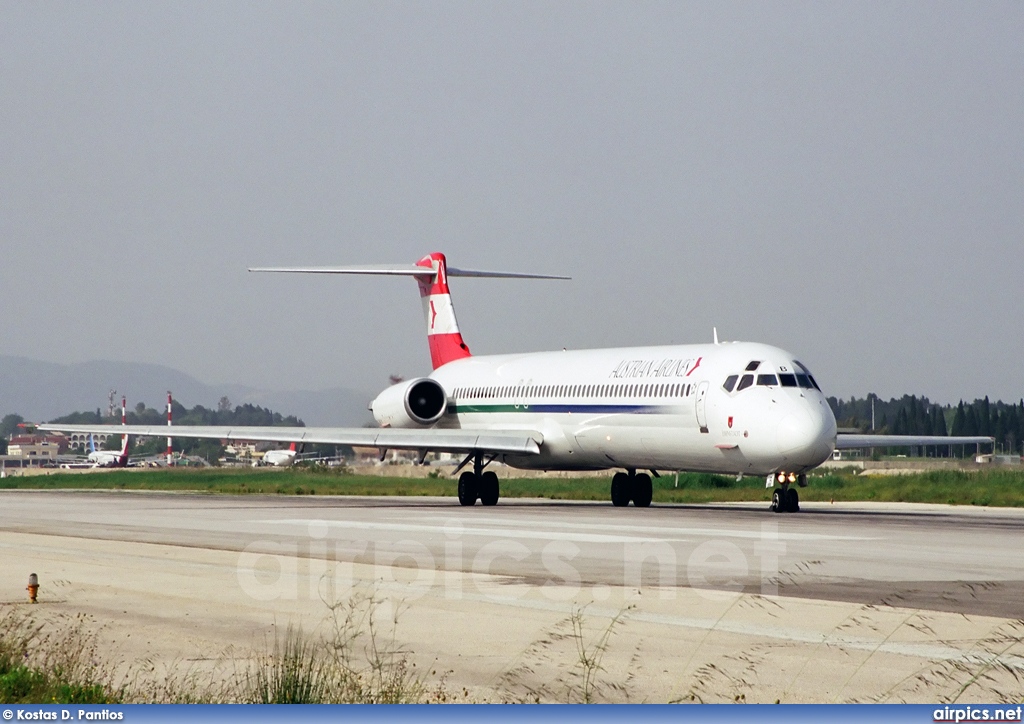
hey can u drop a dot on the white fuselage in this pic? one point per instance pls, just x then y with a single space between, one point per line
648 407
279 458
105 458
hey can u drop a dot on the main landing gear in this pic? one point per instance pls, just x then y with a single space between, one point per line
785 499
632 486
478 485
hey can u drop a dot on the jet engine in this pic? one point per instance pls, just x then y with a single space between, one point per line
416 403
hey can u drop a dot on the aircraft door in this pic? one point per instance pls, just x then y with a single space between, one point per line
701 405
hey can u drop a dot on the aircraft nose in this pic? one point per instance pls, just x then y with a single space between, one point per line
805 436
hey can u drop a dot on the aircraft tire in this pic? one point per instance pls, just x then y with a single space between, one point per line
468 489
778 501
620 490
792 501
643 491
489 488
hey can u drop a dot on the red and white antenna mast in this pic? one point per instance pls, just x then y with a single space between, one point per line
170 454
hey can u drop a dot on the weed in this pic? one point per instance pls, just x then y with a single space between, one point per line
50 664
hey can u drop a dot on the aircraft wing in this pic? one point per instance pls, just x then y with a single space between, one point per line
846 442
432 439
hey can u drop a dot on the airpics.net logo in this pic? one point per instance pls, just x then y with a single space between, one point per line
314 565
959 714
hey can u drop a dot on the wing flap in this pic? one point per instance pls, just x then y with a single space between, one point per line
433 439
847 442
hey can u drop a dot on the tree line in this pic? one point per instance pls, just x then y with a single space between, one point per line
912 415
224 414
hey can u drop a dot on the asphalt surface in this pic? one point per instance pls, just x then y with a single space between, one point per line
936 558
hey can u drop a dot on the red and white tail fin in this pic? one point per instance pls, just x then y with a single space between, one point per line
443 336
432 273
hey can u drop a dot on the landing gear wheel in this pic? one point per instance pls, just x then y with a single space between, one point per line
468 489
778 501
620 490
643 491
489 488
792 501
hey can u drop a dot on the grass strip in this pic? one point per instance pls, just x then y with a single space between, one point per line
1000 487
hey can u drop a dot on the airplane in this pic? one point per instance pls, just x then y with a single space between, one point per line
111 458
280 458
736 408
292 455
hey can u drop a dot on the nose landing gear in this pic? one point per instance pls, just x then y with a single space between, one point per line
785 499
632 486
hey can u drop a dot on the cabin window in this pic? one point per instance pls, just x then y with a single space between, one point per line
730 382
787 380
745 382
767 380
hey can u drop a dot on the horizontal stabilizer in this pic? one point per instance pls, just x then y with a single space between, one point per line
847 442
412 270
437 440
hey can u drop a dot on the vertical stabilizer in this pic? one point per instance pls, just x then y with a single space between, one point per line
431 273
443 336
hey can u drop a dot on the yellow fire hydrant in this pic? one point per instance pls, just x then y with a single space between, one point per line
32 587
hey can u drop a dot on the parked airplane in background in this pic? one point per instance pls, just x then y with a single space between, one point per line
280 458
736 408
292 455
111 458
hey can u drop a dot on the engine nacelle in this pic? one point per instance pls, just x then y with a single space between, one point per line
416 403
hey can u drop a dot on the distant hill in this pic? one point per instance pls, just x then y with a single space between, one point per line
40 391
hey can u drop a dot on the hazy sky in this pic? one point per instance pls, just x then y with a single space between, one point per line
843 180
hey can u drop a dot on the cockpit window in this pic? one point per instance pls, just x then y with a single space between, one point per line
788 380
730 382
752 366
745 382
810 377
804 381
767 380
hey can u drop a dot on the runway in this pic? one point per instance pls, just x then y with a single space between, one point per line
909 587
